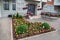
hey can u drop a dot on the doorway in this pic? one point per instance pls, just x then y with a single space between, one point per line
31 9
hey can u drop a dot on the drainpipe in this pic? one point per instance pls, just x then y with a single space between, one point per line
41 4
0 7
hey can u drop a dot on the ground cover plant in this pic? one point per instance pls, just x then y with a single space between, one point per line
23 28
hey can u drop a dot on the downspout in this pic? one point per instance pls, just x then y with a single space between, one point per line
41 3
0 7
41 6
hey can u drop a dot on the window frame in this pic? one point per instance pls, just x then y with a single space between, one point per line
6 3
13 3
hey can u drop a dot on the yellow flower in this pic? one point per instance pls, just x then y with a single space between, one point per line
15 29
40 31
17 35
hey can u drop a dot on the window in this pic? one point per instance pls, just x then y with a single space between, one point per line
57 8
13 4
6 5
50 0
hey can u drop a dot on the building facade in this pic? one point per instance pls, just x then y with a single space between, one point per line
49 7
50 2
8 7
57 5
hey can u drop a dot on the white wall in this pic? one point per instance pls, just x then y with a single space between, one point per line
5 13
39 11
20 4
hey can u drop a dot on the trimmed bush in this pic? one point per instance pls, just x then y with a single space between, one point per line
13 16
21 29
17 16
46 26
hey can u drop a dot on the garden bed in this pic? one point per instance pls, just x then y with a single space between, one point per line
23 28
31 31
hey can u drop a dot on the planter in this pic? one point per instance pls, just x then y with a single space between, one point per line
32 29
50 14
25 8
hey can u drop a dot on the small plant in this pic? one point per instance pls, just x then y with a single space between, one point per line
46 26
13 16
21 29
17 16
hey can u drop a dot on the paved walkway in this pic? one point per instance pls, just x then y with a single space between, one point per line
5 30
55 35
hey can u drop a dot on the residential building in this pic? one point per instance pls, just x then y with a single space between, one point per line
57 5
57 2
49 7
8 7
50 2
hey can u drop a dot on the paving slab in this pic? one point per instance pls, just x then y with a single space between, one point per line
6 30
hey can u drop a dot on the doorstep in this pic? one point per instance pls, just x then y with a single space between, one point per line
35 17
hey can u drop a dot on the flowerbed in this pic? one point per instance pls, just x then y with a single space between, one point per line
23 28
50 14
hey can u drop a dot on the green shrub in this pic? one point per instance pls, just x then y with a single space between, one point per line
13 16
21 29
20 16
17 16
46 26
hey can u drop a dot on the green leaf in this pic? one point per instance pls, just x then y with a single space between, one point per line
46 26
21 29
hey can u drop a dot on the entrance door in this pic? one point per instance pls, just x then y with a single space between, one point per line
31 8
